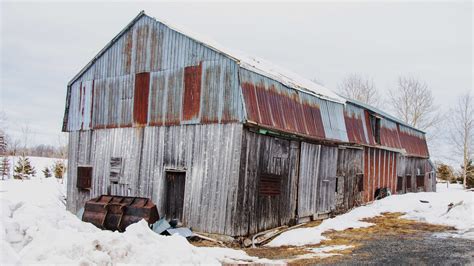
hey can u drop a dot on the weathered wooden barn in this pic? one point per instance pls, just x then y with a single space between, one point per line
227 143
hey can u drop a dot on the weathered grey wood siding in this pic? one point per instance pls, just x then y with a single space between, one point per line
260 155
209 154
414 167
317 179
349 166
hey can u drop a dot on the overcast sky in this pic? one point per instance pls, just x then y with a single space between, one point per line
44 45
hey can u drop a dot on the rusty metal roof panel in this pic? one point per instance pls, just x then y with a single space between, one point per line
413 142
273 105
389 134
355 124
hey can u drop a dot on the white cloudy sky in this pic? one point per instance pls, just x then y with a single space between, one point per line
43 45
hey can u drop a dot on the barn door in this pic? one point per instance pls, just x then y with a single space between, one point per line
349 170
174 198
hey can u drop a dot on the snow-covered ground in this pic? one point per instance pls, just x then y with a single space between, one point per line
461 216
36 228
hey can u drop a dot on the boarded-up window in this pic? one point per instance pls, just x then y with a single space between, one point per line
399 183
269 185
84 177
192 92
116 169
360 182
140 100
420 181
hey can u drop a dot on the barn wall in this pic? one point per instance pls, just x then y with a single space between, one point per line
417 168
317 179
380 170
350 164
105 96
261 156
209 154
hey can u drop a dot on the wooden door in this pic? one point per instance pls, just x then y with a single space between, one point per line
174 198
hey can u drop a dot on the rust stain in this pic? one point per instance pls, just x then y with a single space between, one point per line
140 100
192 92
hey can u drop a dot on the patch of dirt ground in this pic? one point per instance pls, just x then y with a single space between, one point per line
387 226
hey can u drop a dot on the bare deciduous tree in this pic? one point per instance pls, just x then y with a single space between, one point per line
462 131
413 103
359 88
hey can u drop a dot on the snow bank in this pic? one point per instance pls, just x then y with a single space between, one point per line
36 228
461 217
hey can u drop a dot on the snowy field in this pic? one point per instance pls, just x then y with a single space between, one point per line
36 228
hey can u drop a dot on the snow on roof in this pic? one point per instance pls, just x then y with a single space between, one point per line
382 113
251 63
261 66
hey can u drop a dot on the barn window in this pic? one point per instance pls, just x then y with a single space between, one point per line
399 183
337 179
360 182
408 181
84 177
420 181
269 185
375 125
115 169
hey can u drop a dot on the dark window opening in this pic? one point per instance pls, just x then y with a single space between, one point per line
360 182
337 179
408 181
115 169
269 185
375 126
174 194
84 177
420 181
399 183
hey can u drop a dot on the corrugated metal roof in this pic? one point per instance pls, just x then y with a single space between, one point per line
380 112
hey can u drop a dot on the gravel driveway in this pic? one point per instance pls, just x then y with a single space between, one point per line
421 249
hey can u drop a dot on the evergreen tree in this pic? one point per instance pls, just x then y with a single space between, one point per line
4 167
23 169
445 172
59 169
46 172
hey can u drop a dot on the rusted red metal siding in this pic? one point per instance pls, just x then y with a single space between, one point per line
192 92
389 134
282 109
354 118
413 142
140 100
379 171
